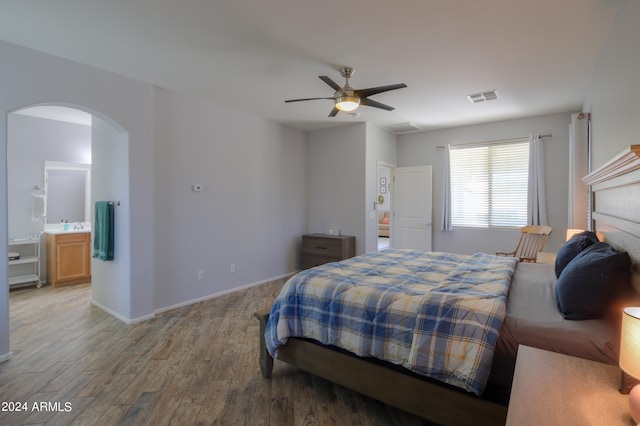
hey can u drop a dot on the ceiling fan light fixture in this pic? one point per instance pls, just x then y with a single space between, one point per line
347 103
347 99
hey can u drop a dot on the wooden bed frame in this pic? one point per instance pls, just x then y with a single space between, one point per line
616 188
427 399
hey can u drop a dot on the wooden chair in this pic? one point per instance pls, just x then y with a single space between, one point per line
532 241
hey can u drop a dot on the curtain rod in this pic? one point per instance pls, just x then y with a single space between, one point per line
522 139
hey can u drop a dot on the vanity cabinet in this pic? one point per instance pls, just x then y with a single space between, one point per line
68 258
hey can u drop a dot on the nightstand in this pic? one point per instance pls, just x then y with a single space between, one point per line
318 249
556 389
544 257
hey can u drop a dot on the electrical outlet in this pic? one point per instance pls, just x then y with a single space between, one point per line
233 267
201 274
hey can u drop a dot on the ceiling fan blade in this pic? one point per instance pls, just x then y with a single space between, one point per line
334 112
363 93
372 103
331 83
305 99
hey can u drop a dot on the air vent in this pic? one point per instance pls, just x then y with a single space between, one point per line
402 127
477 98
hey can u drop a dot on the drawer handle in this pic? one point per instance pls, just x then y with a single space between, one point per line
321 248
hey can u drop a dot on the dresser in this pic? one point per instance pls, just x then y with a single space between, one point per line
68 258
318 249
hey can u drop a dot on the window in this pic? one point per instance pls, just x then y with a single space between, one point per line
489 185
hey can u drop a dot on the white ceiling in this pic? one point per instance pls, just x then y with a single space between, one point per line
539 55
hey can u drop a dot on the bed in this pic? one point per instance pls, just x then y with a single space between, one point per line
519 304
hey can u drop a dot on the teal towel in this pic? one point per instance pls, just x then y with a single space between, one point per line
103 231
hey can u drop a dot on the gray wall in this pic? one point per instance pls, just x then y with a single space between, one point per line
252 209
417 149
110 182
614 96
337 177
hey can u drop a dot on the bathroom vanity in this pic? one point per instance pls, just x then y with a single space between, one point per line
68 257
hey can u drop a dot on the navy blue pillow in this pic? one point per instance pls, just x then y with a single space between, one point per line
595 278
572 247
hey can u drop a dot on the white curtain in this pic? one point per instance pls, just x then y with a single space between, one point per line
579 206
537 214
446 193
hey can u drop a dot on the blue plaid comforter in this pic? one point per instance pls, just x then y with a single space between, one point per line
437 314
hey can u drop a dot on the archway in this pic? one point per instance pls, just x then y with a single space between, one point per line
109 157
119 102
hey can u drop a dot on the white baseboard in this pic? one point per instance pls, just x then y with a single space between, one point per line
6 357
185 303
222 293
120 317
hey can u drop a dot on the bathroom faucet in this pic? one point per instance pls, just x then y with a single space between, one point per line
77 226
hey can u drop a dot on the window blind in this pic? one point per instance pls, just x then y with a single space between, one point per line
489 185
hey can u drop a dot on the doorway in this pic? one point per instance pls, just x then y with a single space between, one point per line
40 141
384 210
413 205
94 140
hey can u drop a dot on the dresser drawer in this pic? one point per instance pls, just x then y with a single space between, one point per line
73 237
318 249
313 261
321 246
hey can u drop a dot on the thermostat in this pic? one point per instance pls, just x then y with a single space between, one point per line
196 188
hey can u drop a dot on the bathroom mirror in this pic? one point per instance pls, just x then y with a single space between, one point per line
68 188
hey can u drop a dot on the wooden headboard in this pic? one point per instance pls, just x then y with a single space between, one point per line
616 204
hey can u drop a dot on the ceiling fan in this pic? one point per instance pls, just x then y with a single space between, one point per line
347 98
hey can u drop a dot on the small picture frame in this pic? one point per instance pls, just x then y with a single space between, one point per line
383 189
383 181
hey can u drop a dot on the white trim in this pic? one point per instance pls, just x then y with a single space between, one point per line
623 163
125 320
6 357
63 165
222 293
130 321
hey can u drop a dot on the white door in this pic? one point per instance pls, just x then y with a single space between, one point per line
412 208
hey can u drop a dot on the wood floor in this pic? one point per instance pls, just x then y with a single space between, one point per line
193 365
